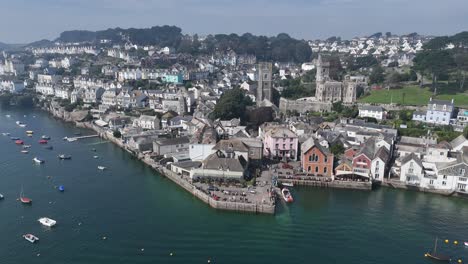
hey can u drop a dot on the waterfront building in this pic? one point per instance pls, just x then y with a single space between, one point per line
218 166
202 141
171 145
147 122
280 142
412 170
11 86
315 159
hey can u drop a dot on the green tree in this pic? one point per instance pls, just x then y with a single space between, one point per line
337 107
465 132
117 134
433 63
232 104
337 149
377 75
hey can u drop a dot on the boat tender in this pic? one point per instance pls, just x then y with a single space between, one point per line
45 137
42 141
1 198
38 160
287 195
47 221
24 151
101 167
31 238
64 157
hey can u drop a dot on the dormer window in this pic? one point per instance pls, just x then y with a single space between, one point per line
433 106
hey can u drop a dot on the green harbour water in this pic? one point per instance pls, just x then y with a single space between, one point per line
135 208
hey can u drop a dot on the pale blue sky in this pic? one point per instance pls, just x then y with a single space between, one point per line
29 20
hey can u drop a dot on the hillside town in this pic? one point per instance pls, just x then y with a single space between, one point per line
222 123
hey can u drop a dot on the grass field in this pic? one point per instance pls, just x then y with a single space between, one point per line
411 95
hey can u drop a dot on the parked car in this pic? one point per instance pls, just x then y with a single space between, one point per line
212 188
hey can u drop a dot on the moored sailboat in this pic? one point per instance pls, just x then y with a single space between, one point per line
24 200
437 256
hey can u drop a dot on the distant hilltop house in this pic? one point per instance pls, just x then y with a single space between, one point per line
69 50
439 112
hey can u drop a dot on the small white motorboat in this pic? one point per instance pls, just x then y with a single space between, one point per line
96 157
22 125
31 238
26 146
8 115
64 157
289 184
1 196
38 160
24 151
71 139
101 167
6 134
287 195
465 243
47 221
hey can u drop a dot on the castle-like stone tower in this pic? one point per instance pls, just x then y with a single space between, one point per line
328 90
264 87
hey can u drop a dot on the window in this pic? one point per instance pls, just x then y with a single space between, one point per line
309 168
290 140
277 146
316 169
325 159
290 146
284 146
310 159
444 183
431 182
376 175
313 157
325 170
445 177
316 158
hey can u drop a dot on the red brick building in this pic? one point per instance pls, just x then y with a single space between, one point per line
315 159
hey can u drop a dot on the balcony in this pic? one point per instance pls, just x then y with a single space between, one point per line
364 172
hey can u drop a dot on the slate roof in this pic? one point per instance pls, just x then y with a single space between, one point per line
458 141
310 143
172 141
413 157
217 161
372 108
231 145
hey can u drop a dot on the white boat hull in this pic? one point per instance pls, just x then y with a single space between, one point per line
47 221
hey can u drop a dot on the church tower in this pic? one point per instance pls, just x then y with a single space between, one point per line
264 87
321 77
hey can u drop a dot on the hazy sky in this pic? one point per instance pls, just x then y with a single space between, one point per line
29 20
